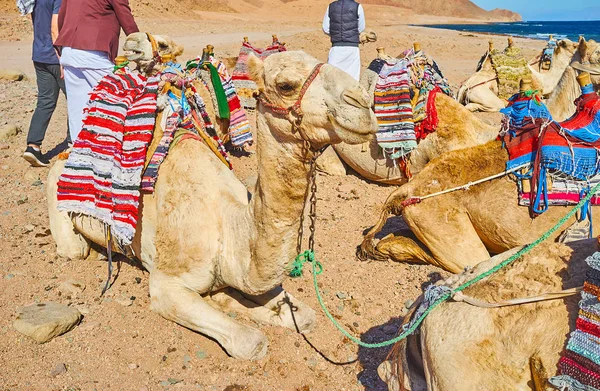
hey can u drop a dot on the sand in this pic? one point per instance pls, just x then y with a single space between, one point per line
120 347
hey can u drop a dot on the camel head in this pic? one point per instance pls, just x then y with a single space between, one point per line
138 48
336 108
589 53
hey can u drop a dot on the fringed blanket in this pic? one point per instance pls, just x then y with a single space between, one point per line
579 366
393 109
405 94
563 158
240 133
242 81
510 66
102 175
185 111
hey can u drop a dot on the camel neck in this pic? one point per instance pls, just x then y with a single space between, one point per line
277 205
561 102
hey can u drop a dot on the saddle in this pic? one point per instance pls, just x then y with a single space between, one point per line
565 153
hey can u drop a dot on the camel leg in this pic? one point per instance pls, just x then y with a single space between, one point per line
69 243
485 100
403 249
274 308
175 302
451 238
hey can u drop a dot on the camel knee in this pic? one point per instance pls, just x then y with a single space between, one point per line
69 243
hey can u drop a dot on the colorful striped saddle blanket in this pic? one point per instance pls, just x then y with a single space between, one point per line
220 85
242 81
562 158
579 366
404 99
102 175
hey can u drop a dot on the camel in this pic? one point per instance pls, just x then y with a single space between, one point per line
207 247
480 91
466 347
482 219
460 229
457 128
586 58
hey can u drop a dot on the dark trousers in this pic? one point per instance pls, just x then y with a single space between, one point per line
49 85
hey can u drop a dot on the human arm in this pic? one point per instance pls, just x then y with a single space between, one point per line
361 19
124 15
62 7
54 27
326 22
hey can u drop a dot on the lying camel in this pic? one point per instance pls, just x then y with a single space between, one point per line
464 347
560 102
457 128
480 91
459 229
477 221
209 249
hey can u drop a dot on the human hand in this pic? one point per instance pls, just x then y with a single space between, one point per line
62 72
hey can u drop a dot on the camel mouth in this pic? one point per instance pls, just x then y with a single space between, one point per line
350 134
131 52
586 68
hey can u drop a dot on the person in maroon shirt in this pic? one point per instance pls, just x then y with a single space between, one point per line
88 40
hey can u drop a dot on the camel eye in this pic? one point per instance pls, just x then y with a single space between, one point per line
285 87
162 46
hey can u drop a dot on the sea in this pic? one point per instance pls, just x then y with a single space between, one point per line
533 29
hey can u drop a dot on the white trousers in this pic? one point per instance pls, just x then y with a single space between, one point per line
347 58
83 69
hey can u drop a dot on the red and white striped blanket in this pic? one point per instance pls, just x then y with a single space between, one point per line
102 175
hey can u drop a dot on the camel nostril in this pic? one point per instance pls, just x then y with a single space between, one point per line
356 97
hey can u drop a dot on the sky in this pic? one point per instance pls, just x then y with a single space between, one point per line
547 9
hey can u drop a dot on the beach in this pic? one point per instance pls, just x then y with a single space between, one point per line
121 344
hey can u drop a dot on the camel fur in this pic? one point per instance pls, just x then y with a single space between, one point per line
460 229
207 247
480 91
457 128
460 346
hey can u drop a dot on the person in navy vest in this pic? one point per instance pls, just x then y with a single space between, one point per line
44 15
344 21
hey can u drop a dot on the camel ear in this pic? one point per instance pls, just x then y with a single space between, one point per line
582 47
177 49
256 68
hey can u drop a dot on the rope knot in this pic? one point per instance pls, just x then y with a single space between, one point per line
301 259
411 201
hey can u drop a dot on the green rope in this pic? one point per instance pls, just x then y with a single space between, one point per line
317 268
117 67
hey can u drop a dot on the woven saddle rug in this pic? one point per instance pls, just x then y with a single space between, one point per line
182 110
102 175
216 78
393 109
242 81
579 365
404 98
562 158
510 66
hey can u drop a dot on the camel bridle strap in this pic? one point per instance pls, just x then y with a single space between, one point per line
295 110
155 54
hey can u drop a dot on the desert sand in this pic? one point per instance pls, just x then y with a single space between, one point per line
128 347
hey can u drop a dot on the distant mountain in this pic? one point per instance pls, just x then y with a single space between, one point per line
451 8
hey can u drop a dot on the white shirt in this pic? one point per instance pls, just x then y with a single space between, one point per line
361 20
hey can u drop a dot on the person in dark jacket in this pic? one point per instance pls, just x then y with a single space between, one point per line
344 21
89 41
48 75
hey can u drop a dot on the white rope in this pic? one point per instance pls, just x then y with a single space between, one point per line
461 297
468 185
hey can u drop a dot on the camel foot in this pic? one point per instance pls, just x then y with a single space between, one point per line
367 250
247 344
276 308
174 301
